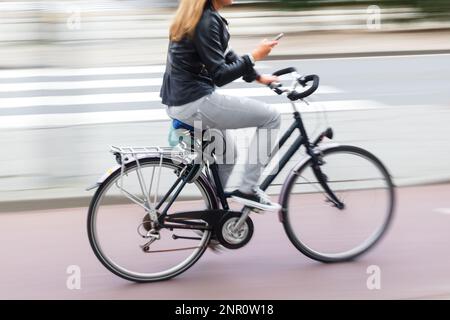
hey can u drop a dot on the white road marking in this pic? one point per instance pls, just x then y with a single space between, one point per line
91 118
124 83
86 118
70 72
68 100
103 117
338 105
67 72
265 92
78 99
88 84
442 210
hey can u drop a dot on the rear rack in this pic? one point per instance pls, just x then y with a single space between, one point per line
127 154
152 150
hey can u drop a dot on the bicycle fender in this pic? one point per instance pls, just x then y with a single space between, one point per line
326 146
105 176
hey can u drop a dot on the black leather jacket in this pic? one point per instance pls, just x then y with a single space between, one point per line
195 66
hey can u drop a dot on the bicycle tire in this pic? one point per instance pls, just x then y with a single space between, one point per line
285 212
201 181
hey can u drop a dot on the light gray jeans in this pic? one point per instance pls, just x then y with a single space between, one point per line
224 112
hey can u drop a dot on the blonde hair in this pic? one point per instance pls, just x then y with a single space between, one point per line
186 19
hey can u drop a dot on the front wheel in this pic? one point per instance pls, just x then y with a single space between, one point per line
327 232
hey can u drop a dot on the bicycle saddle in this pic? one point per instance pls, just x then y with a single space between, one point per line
177 124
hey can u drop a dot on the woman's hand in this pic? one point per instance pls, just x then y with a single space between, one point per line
267 79
263 49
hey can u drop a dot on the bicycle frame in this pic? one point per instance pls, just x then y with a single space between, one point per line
302 139
193 161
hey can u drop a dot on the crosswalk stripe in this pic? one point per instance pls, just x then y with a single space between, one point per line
67 72
78 99
265 92
90 97
71 72
91 118
122 83
87 84
325 106
70 100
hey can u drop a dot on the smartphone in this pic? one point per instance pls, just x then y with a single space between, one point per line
278 37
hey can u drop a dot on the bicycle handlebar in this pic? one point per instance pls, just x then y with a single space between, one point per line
284 71
292 94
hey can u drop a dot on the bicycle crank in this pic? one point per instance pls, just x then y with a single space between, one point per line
231 237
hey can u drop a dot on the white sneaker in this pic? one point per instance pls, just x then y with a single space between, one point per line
257 199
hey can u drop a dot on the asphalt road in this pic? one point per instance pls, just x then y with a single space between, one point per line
40 247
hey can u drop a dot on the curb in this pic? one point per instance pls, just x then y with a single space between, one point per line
83 202
356 54
44 204
274 57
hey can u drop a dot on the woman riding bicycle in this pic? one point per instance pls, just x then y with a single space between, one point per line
199 59
338 200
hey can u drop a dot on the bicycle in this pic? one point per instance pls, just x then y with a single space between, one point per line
344 182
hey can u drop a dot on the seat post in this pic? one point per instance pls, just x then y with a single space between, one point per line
219 187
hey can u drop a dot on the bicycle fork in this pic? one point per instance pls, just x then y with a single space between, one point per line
317 162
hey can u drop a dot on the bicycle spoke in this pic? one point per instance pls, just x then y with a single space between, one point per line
116 230
364 187
130 196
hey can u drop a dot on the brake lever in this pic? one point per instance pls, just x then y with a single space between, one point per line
302 81
275 87
299 78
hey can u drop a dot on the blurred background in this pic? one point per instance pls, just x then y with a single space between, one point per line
79 76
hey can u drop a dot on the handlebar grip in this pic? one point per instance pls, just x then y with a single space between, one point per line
284 71
274 86
300 95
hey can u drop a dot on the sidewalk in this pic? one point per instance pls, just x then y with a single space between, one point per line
292 46
110 35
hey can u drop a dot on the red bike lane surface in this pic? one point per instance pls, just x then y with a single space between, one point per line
38 248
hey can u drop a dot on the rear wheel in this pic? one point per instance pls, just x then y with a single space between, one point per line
118 227
317 227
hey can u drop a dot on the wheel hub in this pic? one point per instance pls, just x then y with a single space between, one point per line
229 236
232 235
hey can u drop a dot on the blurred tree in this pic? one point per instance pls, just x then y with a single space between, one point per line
438 9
